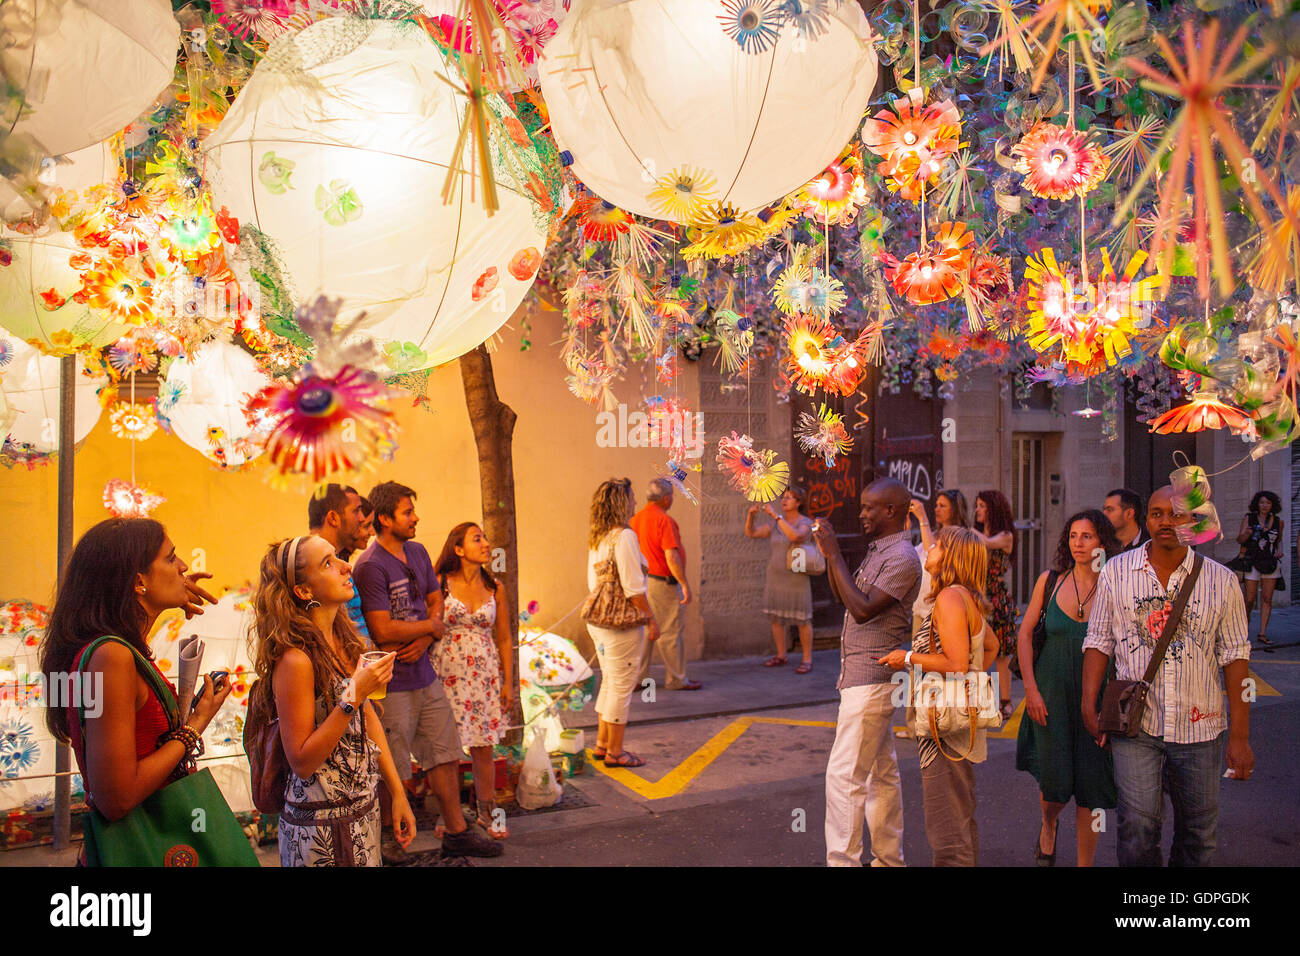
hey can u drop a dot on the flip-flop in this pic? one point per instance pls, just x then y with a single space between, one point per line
774 662
804 668
1263 639
624 759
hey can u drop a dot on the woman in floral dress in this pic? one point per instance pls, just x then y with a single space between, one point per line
994 527
474 659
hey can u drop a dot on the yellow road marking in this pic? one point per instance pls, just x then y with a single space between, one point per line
675 781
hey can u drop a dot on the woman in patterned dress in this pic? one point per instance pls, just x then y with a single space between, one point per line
307 653
474 659
994 527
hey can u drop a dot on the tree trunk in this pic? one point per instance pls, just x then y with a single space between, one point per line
494 425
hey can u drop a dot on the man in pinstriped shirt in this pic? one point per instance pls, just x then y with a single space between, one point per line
1184 725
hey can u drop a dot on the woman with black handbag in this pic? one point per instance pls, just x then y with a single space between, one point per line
1053 744
135 744
1261 538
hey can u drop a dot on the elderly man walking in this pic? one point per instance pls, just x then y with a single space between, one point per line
666 587
862 778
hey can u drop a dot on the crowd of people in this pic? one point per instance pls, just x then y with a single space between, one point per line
384 666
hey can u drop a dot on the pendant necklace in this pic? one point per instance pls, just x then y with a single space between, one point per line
1084 602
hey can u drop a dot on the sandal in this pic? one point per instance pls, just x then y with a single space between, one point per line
804 668
1046 859
1263 639
624 759
597 753
774 661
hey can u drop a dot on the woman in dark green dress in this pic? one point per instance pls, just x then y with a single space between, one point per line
1053 744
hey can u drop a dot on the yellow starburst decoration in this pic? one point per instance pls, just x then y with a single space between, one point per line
1087 324
684 194
724 231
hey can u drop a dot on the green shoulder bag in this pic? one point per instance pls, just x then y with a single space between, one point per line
185 823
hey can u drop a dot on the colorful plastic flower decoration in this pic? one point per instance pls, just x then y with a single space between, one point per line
1059 163
601 221
820 357
1200 83
1052 20
722 230
123 295
756 474
333 415
684 194
833 197
123 499
340 202
803 287
935 272
987 277
914 141
754 24
735 335
1205 410
1192 495
590 379
823 434
133 421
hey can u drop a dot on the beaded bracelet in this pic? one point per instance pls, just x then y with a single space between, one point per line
188 736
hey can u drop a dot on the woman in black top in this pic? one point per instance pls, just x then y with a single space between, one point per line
1261 540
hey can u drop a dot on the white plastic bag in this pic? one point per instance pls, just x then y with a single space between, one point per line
537 784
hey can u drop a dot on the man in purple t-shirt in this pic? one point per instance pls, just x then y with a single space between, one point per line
402 604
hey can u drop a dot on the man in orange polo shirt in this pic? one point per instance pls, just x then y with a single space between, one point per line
661 543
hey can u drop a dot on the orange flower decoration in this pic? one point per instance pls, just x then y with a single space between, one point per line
602 221
125 297
1203 411
936 272
914 141
1059 163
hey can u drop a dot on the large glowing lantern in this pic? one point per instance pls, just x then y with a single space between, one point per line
84 69
669 105
338 148
31 387
36 296
203 397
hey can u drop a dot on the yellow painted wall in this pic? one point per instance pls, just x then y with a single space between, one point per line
233 517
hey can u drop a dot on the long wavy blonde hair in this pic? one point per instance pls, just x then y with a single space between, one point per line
281 621
964 561
608 509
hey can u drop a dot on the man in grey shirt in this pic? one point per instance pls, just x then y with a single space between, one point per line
862 779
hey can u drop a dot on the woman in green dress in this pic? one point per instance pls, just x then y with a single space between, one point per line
1053 744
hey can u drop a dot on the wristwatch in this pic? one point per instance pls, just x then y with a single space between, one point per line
907 658
349 699
348 707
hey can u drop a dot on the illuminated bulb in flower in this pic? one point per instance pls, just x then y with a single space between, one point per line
805 361
1112 314
851 362
1052 308
1055 158
909 138
823 184
927 271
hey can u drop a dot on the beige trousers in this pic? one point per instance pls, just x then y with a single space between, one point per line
665 603
862 780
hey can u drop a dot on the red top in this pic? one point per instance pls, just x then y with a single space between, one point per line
150 724
657 532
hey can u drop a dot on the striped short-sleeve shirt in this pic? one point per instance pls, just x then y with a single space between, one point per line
1186 703
892 566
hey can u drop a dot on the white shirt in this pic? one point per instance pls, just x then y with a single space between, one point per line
628 557
1186 703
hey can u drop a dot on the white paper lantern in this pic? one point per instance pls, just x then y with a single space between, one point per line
86 68
203 397
641 90
36 290
31 386
337 149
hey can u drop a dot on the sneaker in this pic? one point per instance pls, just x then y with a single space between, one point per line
469 843
390 851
